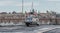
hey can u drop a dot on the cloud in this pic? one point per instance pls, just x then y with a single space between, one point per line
15 3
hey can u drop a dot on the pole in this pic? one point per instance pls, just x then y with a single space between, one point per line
32 5
22 6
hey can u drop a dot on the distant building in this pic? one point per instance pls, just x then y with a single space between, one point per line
45 18
3 13
9 13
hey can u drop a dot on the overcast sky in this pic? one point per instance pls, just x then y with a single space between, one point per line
40 5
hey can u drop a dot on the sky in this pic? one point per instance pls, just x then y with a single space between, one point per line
39 5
